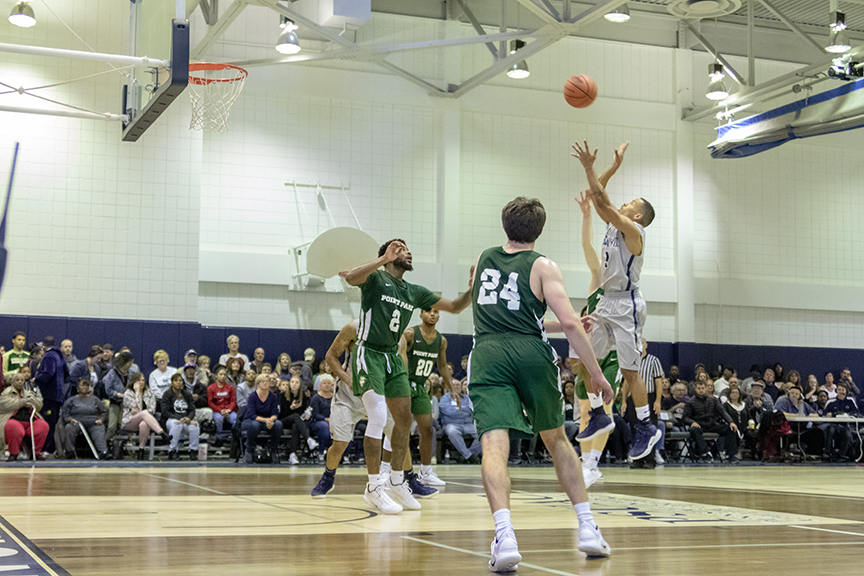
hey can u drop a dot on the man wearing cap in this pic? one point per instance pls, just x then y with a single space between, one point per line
303 372
88 367
308 363
107 357
190 357
757 392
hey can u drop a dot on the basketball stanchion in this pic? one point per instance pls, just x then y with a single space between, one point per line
213 90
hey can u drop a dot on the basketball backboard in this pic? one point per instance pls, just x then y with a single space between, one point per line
157 29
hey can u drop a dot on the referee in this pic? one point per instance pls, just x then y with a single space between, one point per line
650 371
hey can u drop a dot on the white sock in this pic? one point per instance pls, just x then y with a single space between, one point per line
594 457
425 469
374 479
583 512
595 400
642 412
502 522
396 477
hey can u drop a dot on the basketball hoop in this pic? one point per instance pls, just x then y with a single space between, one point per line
214 87
352 293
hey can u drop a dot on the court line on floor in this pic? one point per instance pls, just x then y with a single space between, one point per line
761 544
486 556
827 530
186 484
712 489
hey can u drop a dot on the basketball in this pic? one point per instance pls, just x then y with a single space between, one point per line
580 91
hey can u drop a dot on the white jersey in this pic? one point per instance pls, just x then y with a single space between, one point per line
619 268
344 392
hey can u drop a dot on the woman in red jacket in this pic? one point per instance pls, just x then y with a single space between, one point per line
222 399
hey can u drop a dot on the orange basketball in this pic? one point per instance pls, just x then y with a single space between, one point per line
580 91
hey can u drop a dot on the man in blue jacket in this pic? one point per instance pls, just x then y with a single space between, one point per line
51 377
458 422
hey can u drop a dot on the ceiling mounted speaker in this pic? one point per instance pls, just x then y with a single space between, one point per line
689 9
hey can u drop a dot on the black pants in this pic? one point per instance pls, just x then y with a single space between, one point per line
728 438
619 441
51 413
298 428
840 436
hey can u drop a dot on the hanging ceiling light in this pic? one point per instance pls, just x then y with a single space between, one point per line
620 14
287 43
838 39
520 69
22 15
717 88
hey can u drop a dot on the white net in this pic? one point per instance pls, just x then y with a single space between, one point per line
214 88
352 293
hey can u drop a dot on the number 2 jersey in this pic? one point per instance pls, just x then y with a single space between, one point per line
386 306
502 296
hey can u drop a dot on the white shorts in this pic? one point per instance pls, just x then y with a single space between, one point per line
344 418
619 320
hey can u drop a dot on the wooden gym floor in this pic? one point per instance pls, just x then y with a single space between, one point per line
232 520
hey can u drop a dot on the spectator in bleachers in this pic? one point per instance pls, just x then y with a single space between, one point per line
283 366
722 383
244 390
199 393
293 404
851 387
733 383
90 412
779 374
458 421
178 414
262 413
838 437
771 388
134 367
28 379
829 386
233 352
66 349
755 374
86 368
115 382
737 409
190 356
310 362
571 428
234 371
674 375
266 368
51 377
257 360
664 391
36 353
820 402
139 412
757 392
107 357
842 403
160 378
301 370
16 406
16 357
203 372
812 390
323 368
794 378
793 404
222 400
705 414
678 398
320 405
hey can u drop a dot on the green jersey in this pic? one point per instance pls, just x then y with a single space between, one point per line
386 306
422 356
502 296
14 360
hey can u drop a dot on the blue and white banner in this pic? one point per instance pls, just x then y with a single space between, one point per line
834 110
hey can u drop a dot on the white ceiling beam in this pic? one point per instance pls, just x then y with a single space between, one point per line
793 27
719 57
190 7
766 90
477 27
545 36
538 11
215 31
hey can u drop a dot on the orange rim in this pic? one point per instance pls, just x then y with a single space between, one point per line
201 66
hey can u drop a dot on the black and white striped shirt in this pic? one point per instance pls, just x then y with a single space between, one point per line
650 369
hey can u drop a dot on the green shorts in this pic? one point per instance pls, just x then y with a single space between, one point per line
609 366
509 373
420 401
379 371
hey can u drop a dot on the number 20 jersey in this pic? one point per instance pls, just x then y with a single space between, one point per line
386 306
502 296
